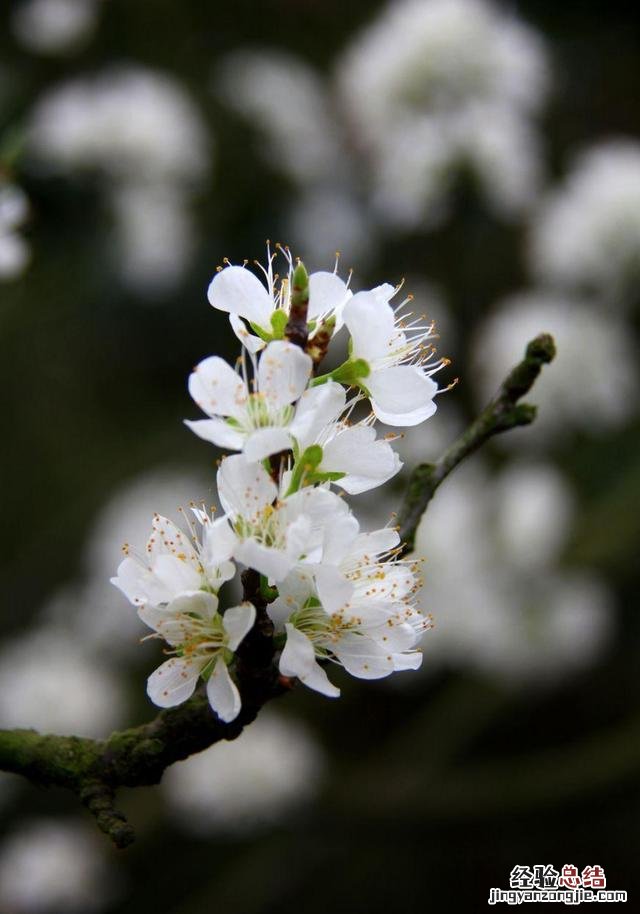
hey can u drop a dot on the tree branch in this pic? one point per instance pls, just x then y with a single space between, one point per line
94 769
502 413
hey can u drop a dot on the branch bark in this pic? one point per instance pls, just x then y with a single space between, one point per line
504 412
94 769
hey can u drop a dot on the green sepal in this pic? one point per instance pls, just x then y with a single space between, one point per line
309 460
267 592
331 476
259 331
278 323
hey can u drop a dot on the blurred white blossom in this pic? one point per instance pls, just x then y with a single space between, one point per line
51 866
287 101
55 26
591 385
14 250
587 232
435 85
141 132
248 783
128 122
155 237
50 683
501 602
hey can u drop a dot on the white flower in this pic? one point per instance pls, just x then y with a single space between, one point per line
272 535
462 94
391 359
593 381
175 564
587 232
48 682
240 293
48 866
511 615
204 642
55 26
375 630
240 786
128 122
175 589
14 251
300 135
258 421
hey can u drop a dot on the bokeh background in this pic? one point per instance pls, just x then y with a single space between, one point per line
489 155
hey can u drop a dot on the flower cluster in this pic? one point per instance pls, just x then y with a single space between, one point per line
334 593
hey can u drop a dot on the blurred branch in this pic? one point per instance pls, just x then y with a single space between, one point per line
504 412
94 769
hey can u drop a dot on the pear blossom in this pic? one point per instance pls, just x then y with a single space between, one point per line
372 634
391 359
272 534
260 421
239 292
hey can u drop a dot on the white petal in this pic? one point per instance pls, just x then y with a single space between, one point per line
177 575
362 657
293 592
338 539
371 323
317 408
139 584
237 291
373 544
273 563
251 343
368 463
298 537
173 682
244 488
217 432
266 441
327 292
401 395
334 590
218 543
222 693
411 660
283 373
299 659
168 539
217 388
237 621
200 602
394 637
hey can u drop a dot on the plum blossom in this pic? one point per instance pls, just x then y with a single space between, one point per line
203 642
372 634
259 421
391 358
239 292
272 534
174 588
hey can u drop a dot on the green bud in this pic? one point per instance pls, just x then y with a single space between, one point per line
299 286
